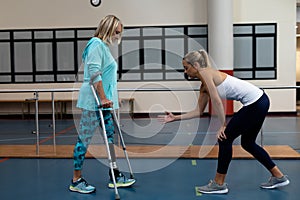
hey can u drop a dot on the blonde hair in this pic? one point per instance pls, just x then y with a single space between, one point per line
107 28
199 56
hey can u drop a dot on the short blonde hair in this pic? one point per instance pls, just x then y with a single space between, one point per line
199 56
107 28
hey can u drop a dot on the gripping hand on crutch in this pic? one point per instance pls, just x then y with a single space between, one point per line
104 102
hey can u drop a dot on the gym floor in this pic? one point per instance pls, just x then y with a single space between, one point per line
157 178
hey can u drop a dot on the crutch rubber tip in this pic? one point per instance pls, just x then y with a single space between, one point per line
117 197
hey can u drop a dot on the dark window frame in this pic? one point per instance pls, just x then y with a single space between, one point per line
76 39
255 35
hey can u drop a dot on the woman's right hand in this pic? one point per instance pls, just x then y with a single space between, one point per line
106 103
169 117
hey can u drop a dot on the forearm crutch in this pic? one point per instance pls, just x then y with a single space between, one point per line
123 143
117 196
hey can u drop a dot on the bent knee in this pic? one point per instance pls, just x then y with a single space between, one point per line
248 145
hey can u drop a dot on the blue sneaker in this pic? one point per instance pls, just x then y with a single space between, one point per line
81 186
122 181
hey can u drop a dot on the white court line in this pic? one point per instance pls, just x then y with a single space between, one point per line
183 133
33 138
275 132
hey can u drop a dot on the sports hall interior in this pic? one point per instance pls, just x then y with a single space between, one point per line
41 43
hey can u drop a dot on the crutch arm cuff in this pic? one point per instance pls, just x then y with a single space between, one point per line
94 76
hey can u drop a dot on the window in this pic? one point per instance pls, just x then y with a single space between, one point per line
145 54
155 53
255 51
41 56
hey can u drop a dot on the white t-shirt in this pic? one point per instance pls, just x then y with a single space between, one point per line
236 89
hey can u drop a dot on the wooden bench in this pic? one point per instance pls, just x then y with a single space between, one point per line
130 105
60 106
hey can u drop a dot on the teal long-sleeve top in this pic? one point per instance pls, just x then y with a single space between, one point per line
97 58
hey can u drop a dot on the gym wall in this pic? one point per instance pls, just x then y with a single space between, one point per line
31 14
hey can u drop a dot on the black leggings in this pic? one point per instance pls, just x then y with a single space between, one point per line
247 122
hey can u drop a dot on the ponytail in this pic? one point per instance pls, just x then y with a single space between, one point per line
199 56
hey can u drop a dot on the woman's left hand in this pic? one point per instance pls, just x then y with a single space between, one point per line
221 133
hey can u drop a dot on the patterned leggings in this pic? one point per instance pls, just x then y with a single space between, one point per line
90 120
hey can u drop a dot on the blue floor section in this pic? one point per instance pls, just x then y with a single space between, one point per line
45 179
157 179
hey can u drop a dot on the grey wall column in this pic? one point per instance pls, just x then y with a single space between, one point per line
220 39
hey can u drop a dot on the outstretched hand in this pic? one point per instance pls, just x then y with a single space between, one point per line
169 117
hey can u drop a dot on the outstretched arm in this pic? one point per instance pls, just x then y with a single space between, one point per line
197 112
